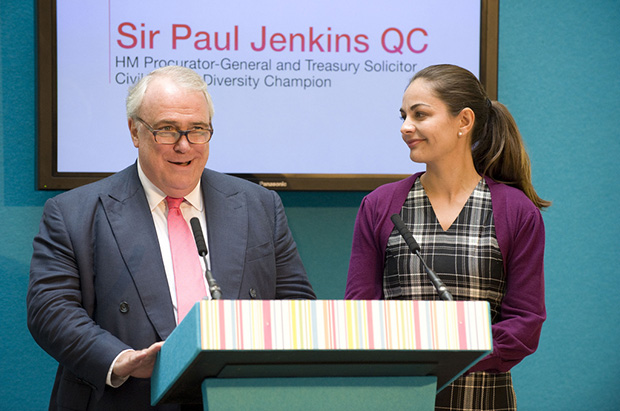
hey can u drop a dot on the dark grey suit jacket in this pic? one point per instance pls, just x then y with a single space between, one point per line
98 285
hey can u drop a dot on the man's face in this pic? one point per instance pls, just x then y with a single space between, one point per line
175 169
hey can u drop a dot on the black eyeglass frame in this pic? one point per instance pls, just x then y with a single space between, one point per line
179 134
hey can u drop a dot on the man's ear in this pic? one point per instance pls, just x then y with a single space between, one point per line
133 129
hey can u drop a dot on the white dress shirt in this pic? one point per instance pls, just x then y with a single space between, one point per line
193 206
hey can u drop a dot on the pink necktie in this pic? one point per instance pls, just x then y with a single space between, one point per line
188 280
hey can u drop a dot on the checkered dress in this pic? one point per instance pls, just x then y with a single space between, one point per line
468 260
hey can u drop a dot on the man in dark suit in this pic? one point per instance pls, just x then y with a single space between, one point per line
102 298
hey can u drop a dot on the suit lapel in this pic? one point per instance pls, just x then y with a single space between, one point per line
227 232
130 219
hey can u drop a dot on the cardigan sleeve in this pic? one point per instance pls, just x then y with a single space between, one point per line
523 312
370 234
364 279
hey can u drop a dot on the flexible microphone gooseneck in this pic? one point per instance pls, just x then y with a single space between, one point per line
442 290
201 245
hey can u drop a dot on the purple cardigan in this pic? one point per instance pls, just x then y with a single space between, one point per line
521 237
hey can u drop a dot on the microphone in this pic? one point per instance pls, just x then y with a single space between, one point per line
201 245
442 290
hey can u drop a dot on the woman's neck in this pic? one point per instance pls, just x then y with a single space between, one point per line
450 181
448 190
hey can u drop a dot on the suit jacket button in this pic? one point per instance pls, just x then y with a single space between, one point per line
252 293
124 307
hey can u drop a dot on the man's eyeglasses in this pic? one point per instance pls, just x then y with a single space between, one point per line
196 136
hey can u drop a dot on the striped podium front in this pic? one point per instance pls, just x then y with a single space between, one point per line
281 339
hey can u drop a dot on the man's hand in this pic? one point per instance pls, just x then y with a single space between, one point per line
138 364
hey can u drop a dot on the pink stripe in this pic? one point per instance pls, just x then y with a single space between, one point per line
388 321
460 314
239 325
371 334
222 325
267 322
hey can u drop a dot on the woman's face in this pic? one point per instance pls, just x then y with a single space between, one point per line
430 131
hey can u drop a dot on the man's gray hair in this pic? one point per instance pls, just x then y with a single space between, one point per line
184 77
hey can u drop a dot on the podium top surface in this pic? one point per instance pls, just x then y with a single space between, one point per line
320 338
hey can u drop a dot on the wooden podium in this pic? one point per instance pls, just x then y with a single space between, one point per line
323 354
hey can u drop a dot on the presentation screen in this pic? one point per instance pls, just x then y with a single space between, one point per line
306 94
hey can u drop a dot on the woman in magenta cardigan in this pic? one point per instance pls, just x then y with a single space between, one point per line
476 216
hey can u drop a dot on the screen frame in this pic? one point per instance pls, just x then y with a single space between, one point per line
49 178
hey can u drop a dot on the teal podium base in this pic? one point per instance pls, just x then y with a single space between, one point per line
320 393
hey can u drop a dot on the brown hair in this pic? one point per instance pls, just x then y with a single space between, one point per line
497 147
